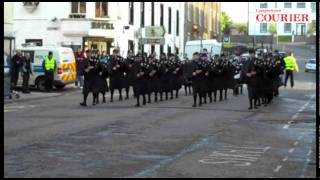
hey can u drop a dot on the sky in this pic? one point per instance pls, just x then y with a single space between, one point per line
238 11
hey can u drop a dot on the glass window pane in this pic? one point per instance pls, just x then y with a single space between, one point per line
301 5
74 7
82 7
287 5
104 10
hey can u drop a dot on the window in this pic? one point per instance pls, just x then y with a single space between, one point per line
161 49
78 7
169 50
161 14
37 42
30 3
152 13
200 17
313 7
301 5
131 13
196 16
130 45
189 11
177 32
169 21
152 49
142 14
263 27
287 5
101 9
287 27
263 5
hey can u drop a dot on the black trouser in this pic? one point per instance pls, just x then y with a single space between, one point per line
14 80
49 80
289 73
25 83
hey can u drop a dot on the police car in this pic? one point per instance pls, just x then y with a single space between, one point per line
66 66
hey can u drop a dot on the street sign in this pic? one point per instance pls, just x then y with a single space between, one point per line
154 31
152 41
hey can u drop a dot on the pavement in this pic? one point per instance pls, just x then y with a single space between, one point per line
55 137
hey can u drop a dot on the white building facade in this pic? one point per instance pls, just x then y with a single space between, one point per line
291 17
99 25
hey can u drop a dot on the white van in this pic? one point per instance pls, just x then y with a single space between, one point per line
66 66
213 47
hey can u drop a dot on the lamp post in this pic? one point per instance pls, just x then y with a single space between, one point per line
292 37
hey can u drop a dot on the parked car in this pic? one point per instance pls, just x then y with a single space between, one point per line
310 65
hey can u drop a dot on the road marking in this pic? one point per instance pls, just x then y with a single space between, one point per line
285 159
12 108
291 150
234 155
286 126
244 147
278 168
295 116
306 164
299 138
296 143
266 148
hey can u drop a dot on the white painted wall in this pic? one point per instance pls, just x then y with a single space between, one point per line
33 25
254 26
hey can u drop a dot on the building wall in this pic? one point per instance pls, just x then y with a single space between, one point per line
8 17
254 26
202 20
34 25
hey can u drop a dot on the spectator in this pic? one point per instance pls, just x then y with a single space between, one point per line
26 70
79 65
15 69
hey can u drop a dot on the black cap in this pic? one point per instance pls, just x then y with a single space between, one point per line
50 53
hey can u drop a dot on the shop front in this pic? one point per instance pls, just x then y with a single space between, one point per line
97 44
100 37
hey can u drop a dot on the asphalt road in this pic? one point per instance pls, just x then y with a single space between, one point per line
55 137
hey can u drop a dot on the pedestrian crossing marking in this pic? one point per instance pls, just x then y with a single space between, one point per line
235 155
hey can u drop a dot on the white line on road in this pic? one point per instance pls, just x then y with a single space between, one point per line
291 150
266 148
278 168
299 138
243 147
296 143
295 116
285 159
286 126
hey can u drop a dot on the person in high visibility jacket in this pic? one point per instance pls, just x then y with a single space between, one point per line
49 65
290 66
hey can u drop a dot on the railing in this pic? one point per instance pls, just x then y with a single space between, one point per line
77 15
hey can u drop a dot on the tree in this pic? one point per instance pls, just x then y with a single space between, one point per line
311 29
273 31
225 23
241 27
